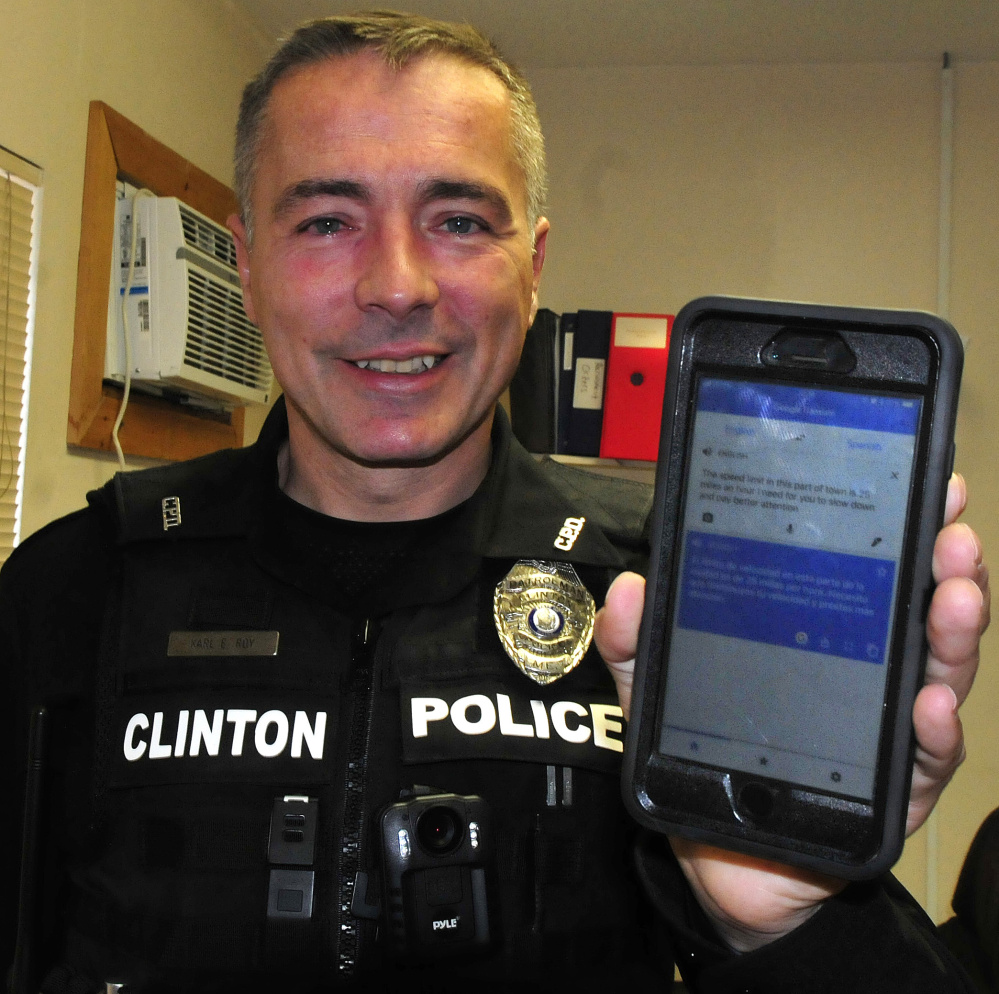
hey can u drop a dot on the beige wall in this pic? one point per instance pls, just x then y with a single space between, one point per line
800 182
813 182
175 68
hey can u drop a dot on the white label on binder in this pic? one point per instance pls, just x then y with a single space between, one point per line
639 332
588 389
567 352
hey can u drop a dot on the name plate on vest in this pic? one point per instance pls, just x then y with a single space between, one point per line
490 720
222 737
237 643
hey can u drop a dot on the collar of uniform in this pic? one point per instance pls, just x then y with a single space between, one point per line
517 513
524 505
213 496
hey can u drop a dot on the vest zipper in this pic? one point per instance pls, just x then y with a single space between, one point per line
355 781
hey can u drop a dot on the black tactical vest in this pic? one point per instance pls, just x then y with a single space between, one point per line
249 735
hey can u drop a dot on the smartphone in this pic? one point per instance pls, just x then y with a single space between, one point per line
802 476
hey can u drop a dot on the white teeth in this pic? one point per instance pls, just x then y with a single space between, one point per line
415 365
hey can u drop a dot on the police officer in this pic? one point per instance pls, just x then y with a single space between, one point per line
263 668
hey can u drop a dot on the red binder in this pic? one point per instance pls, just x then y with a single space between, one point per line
636 381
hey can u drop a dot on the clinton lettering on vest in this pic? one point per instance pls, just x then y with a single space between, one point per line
271 734
166 740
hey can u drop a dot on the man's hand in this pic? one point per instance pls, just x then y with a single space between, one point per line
751 901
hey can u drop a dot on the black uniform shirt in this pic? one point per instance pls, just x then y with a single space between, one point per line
570 905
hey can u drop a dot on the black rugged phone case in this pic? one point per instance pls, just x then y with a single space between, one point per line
642 786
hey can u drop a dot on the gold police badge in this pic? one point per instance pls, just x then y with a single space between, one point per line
544 618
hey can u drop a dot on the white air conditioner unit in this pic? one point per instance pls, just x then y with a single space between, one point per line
190 338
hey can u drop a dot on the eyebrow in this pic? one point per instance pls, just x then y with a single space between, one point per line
446 189
308 189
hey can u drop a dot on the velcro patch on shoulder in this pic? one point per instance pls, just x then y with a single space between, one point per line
490 720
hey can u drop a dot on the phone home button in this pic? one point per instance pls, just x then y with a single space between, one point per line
756 801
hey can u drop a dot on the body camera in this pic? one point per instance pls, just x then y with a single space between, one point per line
436 860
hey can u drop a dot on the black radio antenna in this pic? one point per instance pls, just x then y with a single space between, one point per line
22 979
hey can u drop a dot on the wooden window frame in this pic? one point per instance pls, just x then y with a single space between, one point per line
117 149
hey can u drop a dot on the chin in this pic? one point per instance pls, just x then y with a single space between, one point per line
403 449
399 454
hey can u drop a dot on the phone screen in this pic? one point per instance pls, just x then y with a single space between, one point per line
793 531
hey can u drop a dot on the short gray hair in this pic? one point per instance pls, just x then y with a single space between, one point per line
399 38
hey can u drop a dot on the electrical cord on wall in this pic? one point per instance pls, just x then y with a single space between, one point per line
129 280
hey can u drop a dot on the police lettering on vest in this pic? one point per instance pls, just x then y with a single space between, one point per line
492 723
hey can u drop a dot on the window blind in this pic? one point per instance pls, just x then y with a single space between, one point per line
20 193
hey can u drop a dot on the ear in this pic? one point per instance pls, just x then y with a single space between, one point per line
238 229
541 228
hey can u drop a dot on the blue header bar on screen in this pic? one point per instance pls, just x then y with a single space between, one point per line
783 402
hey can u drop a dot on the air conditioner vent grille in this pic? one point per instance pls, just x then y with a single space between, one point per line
220 338
207 237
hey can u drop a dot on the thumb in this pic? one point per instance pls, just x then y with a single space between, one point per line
616 632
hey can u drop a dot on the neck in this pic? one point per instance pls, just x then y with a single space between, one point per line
332 483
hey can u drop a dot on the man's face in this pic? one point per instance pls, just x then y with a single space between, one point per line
392 271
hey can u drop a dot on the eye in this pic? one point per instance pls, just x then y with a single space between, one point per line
323 226
461 225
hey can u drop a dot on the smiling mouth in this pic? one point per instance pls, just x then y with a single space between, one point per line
417 364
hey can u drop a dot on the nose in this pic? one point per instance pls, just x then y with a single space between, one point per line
396 274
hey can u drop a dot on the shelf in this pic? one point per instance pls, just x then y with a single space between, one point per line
595 461
627 469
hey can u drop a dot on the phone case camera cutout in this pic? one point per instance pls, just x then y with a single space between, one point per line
802 476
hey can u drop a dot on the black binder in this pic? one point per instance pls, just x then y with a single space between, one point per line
534 388
566 378
591 345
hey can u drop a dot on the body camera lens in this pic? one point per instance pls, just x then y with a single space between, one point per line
439 830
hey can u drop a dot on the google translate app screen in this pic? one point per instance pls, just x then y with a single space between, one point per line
793 530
